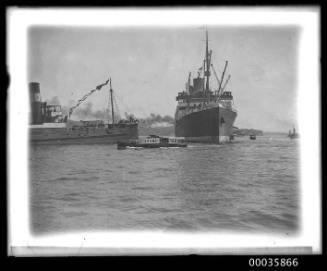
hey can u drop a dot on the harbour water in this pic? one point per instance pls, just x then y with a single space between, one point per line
244 186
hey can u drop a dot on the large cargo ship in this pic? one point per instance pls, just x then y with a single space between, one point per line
203 114
48 124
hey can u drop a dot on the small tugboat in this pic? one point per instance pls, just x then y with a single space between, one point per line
152 141
253 137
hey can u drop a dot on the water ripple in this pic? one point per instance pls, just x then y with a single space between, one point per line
243 186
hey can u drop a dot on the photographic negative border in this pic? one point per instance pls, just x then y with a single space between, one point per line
21 242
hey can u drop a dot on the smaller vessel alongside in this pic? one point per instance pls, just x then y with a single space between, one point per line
293 134
152 141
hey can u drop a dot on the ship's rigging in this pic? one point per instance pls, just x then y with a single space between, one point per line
112 104
207 65
202 93
71 110
204 72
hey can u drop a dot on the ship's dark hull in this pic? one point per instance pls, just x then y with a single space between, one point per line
214 125
124 145
99 135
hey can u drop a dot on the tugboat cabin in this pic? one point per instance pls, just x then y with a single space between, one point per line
151 139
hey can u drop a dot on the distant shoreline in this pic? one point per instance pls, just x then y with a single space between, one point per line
147 129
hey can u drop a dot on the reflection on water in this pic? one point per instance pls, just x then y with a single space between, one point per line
242 186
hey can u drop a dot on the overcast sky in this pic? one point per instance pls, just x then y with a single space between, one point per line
149 66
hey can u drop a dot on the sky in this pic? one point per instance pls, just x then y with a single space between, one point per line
149 66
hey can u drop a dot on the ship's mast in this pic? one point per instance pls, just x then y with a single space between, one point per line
112 104
207 71
222 77
204 72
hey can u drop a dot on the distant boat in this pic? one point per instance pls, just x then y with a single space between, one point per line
152 141
293 134
253 137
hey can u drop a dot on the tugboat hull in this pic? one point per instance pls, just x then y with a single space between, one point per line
124 145
151 142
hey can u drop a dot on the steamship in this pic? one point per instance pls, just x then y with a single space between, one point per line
204 114
48 124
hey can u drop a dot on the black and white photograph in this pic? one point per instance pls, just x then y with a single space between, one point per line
163 131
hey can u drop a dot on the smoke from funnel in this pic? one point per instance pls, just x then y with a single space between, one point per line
53 101
85 112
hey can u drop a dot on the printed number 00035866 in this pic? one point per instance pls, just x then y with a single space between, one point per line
273 262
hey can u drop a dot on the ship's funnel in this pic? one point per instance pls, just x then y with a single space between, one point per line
37 107
34 89
198 84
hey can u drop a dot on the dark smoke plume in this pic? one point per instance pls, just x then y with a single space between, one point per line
85 111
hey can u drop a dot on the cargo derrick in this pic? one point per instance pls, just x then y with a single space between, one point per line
85 97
